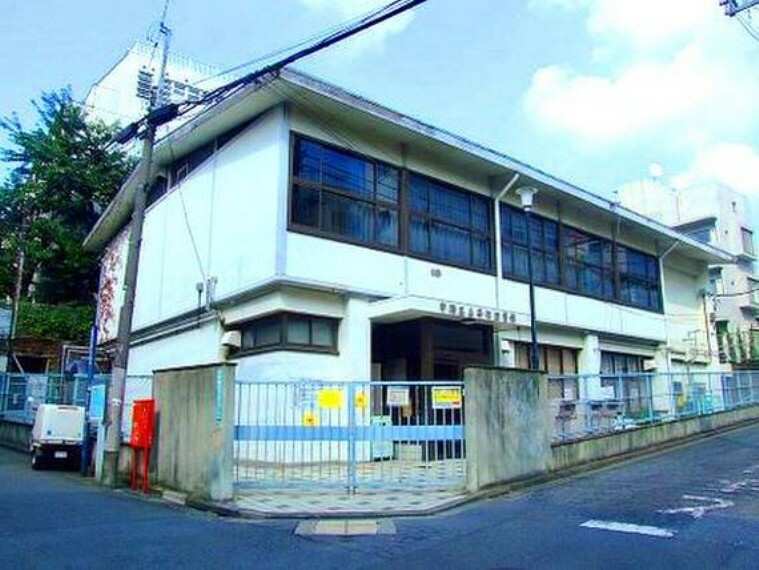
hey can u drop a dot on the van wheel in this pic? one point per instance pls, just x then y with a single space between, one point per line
37 460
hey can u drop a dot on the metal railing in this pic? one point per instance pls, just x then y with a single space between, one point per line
592 404
351 435
21 394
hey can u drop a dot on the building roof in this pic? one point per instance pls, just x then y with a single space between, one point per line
289 85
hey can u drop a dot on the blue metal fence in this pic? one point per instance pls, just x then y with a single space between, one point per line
349 434
591 404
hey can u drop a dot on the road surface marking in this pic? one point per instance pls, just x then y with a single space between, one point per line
700 510
629 528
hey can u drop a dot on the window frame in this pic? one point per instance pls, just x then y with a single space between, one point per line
747 238
282 319
564 288
404 208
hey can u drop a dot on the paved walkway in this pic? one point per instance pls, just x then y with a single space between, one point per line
337 502
385 488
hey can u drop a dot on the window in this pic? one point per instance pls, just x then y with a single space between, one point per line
557 361
702 234
514 246
181 168
747 240
344 195
638 278
632 390
715 281
448 224
291 331
589 266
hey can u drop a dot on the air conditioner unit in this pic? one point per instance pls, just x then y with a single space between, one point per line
232 339
649 365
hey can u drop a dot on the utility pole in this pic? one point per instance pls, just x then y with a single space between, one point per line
115 399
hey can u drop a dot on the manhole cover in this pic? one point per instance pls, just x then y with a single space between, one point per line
351 527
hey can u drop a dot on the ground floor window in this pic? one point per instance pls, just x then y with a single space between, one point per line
622 376
558 361
291 331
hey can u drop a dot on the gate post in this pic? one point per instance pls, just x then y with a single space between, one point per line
352 467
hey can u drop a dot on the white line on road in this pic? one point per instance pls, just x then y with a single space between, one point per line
629 528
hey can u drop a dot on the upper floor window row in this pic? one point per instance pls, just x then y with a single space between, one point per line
343 195
577 261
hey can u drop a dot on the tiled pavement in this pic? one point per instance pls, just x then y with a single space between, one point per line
330 502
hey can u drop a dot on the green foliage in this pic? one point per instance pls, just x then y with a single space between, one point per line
64 174
70 323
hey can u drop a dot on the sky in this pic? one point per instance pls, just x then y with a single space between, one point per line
591 91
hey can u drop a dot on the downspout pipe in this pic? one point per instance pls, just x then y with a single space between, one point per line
498 255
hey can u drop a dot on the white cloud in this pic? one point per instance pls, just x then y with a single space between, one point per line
677 71
733 164
372 39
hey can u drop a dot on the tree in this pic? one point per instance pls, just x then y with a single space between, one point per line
64 172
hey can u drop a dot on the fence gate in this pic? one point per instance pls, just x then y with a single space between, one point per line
352 435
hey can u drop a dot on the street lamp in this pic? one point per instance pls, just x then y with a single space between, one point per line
527 196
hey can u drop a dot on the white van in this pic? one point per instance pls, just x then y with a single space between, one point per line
57 436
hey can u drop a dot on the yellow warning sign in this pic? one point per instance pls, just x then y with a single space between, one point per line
361 400
310 419
446 397
330 398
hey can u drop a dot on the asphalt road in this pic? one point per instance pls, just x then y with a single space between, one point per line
711 488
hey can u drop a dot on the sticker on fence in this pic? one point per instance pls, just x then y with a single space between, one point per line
310 419
397 397
446 398
330 398
362 400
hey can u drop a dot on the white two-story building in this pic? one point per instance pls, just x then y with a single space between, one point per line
343 240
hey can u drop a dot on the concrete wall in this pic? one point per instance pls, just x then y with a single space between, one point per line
508 425
509 430
15 434
195 437
568 455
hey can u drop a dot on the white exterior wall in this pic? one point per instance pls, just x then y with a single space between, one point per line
230 204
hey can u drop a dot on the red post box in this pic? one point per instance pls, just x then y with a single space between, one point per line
143 423
141 440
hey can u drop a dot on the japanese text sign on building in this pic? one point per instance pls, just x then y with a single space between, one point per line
446 398
473 312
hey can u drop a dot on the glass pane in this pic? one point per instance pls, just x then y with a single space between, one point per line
569 361
551 235
307 160
388 183
552 269
481 214
346 217
387 227
305 207
298 330
248 337
450 244
347 172
538 267
554 360
536 233
323 333
268 332
450 205
519 228
481 253
419 236
520 262
419 193
506 260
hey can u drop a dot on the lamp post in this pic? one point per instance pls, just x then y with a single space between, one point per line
527 196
